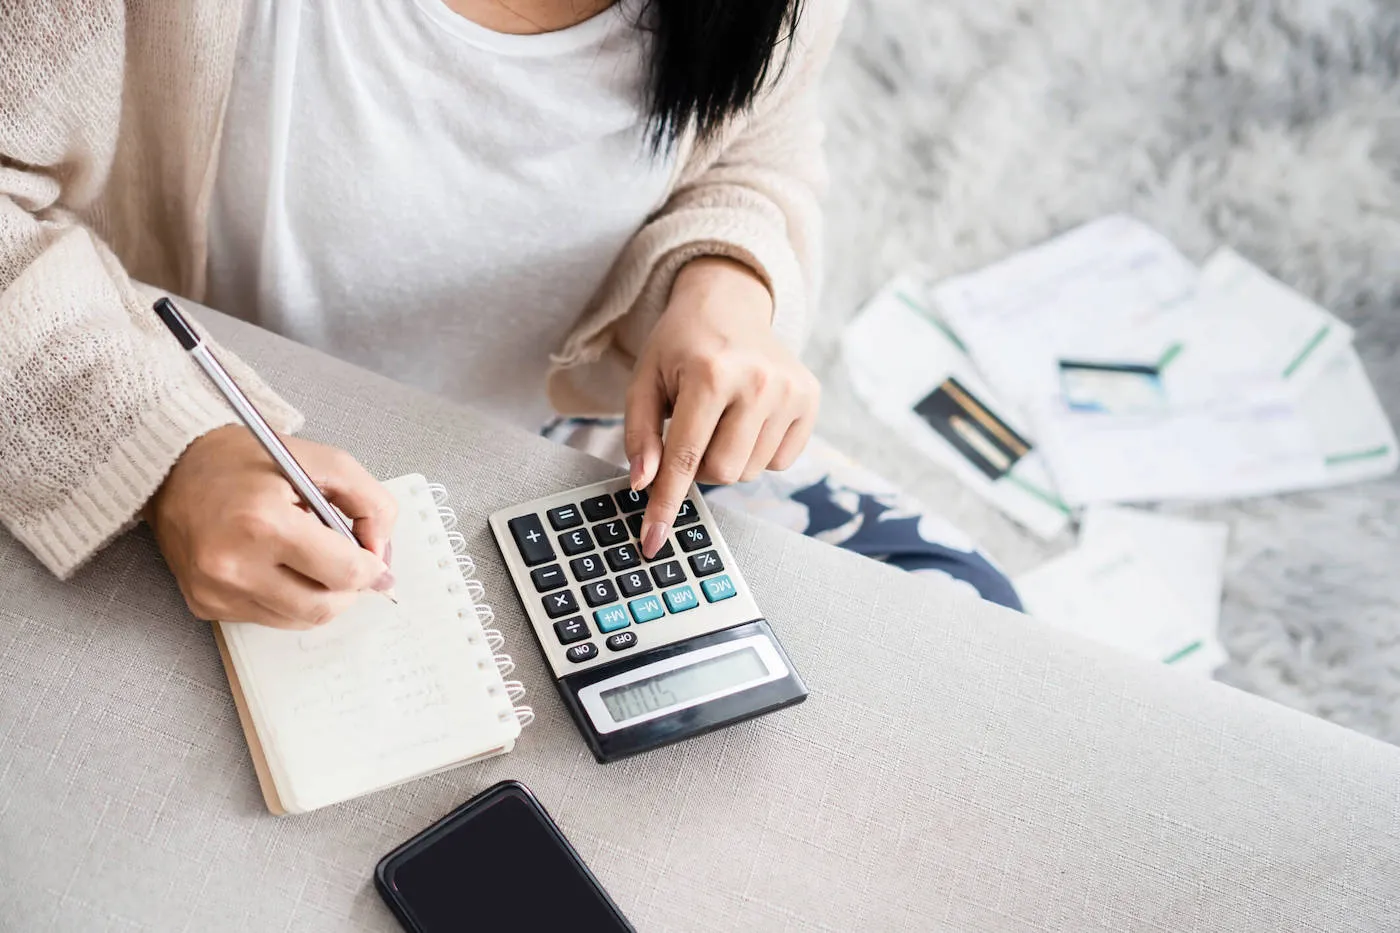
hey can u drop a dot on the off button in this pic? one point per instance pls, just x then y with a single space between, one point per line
622 641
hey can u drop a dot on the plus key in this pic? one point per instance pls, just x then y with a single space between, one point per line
529 536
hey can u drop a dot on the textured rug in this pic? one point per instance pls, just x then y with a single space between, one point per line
962 130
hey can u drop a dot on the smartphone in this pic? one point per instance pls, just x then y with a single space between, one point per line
496 862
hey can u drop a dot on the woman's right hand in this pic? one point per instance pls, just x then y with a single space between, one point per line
242 546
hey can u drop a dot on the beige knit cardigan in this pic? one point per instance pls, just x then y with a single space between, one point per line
110 115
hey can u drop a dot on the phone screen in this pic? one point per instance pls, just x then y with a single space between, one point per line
502 864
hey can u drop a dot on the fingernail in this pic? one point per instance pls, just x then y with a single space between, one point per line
389 554
384 584
635 474
653 538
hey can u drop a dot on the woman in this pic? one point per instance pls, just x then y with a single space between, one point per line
481 197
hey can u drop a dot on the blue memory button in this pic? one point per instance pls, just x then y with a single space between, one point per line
717 588
680 599
646 609
610 619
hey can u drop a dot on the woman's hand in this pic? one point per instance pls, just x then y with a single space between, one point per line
740 402
244 549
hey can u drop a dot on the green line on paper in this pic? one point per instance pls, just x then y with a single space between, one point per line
1317 338
1041 494
1189 649
929 316
1172 353
1374 452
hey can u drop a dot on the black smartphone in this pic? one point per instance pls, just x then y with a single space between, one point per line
496 862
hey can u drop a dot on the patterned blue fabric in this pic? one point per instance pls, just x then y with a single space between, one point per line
827 496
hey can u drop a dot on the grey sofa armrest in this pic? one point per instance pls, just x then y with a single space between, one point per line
957 767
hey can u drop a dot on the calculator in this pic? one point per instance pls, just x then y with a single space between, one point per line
643 652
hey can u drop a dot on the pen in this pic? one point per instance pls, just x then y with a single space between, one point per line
165 309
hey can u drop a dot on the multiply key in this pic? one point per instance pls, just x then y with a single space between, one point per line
560 604
530 538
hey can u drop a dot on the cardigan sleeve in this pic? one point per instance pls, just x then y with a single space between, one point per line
753 196
96 402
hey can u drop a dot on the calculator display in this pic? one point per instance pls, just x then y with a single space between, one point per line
675 687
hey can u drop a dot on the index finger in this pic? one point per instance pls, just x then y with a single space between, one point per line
356 493
692 425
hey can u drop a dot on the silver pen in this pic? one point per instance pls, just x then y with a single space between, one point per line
165 309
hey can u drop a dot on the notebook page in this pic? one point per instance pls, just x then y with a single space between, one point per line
383 693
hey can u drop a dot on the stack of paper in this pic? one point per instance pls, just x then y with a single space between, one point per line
1104 367
916 377
1261 390
1146 584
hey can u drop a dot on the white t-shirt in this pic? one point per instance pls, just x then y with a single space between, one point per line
412 192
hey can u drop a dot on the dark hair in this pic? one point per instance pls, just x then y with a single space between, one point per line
709 60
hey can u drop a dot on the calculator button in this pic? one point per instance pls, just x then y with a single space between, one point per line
667 550
613 532
580 653
575 542
623 557
717 588
634 524
631 501
693 539
586 568
598 593
622 641
549 578
571 630
530 538
706 564
668 573
610 619
599 508
560 604
566 516
680 599
646 609
634 583
687 514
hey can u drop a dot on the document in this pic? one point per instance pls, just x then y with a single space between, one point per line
916 377
1145 583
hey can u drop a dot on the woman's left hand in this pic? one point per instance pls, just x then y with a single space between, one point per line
739 401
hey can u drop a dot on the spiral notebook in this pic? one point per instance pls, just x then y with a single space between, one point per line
382 694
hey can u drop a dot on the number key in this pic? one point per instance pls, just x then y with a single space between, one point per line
599 508
622 557
668 573
586 568
599 593
566 516
634 524
693 539
575 542
634 583
631 500
613 532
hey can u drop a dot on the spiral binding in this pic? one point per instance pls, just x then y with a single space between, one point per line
513 690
